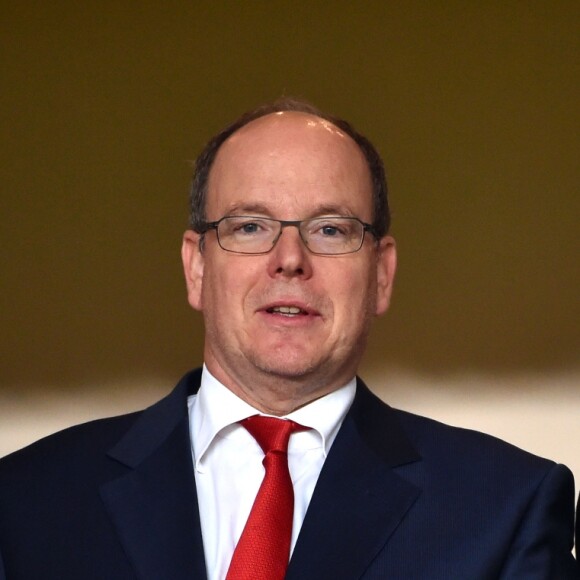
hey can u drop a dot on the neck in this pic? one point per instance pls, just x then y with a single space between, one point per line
274 394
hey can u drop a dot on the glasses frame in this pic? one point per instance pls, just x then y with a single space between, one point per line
284 224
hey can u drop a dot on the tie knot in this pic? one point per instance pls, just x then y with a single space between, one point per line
271 434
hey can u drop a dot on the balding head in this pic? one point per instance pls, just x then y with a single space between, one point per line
206 159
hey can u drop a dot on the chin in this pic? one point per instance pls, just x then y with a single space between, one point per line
286 366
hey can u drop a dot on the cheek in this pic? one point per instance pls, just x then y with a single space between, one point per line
224 290
212 292
354 295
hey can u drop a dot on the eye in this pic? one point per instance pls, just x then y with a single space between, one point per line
249 228
330 231
246 227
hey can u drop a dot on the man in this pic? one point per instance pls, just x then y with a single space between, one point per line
289 260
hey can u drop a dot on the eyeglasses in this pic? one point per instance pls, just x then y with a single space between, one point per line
330 236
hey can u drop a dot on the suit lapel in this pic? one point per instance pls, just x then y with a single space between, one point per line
357 505
154 505
359 499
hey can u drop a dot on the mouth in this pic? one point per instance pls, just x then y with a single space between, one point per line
289 311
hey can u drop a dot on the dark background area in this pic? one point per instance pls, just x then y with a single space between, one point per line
474 107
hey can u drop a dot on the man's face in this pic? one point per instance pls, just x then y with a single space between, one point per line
288 166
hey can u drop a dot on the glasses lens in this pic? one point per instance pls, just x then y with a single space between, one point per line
333 235
247 235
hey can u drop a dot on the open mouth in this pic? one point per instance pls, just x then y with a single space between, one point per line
287 311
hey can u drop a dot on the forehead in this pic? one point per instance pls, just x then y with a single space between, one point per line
290 160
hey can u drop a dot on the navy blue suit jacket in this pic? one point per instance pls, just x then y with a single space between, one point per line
399 497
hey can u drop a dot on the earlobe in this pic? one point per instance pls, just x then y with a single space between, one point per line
193 263
386 267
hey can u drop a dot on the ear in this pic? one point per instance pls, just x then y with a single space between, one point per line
193 263
386 267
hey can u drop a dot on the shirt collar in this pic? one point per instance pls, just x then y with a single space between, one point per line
217 409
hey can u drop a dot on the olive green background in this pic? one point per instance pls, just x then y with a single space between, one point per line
474 106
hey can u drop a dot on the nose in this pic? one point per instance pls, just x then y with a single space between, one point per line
290 257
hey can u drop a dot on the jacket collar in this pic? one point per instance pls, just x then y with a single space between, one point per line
358 502
359 499
153 506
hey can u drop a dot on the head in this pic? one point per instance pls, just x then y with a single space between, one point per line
287 326
198 194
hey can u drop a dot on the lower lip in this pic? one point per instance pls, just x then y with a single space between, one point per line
291 320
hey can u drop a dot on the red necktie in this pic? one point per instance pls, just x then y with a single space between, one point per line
263 550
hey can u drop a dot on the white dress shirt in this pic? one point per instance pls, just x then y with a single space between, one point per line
228 462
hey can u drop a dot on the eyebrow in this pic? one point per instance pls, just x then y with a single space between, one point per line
247 209
261 209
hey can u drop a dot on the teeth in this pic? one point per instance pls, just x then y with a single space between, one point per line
287 309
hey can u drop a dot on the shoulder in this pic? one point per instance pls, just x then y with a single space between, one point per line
432 439
434 442
430 436
474 490
87 444
77 445
58 475
451 457
463 459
